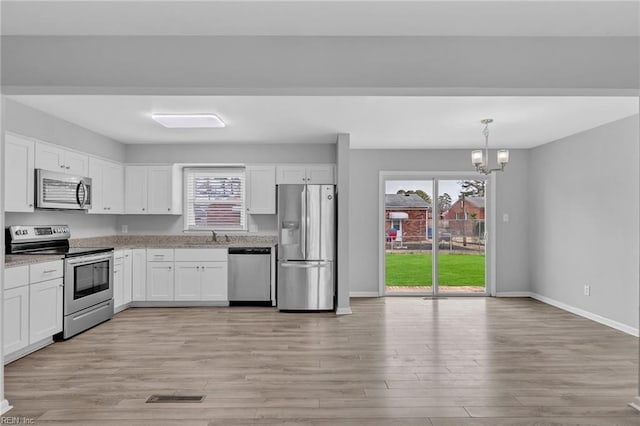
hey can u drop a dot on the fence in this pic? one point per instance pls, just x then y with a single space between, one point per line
454 234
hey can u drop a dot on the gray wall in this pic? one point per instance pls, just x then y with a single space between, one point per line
365 167
231 153
584 220
318 65
30 122
27 121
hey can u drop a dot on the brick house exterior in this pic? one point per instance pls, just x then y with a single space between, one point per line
408 213
466 216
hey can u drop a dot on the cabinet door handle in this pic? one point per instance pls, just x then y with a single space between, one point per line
48 271
143 209
62 166
169 209
169 267
67 167
30 205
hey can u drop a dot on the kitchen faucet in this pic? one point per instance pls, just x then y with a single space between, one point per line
213 236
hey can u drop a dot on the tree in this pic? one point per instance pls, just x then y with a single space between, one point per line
420 193
473 188
444 202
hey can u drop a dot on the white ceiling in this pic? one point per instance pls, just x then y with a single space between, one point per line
373 122
321 18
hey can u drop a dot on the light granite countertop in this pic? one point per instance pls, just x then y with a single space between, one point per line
27 259
149 241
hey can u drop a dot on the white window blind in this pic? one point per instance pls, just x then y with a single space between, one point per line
214 198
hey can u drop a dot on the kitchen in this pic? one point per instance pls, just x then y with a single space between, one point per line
323 366
184 268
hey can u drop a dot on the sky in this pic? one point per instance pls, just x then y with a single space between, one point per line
451 187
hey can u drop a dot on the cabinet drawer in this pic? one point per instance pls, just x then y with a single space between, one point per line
16 276
201 255
120 256
46 271
159 255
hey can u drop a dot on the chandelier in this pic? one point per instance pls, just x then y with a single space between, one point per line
480 159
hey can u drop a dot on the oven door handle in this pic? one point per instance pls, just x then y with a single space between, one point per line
81 260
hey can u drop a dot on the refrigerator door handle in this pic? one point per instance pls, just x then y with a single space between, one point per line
303 222
305 265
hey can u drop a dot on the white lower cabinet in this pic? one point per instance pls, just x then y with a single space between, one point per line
15 317
214 281
127 277
118 285
187 281
201 274
139 275
118 278
160 281
201 281
45 309
32 306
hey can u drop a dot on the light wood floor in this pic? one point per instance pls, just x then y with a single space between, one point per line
395 361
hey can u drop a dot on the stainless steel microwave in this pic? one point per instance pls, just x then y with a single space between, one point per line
56 190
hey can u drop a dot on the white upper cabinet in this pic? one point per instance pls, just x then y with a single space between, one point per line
18 174
159 189
135 189
152 190
261 189
107 180
321 174
51 157
309 173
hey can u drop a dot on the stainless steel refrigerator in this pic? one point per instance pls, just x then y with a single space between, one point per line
306 247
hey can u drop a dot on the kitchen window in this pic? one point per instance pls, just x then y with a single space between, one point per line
214 198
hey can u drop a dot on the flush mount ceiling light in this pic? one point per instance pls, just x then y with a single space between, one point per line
480 159
189 121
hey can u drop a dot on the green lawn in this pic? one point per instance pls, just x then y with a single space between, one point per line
415 269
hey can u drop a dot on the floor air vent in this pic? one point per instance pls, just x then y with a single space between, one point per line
174 398
434 297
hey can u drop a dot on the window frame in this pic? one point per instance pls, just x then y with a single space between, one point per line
234 171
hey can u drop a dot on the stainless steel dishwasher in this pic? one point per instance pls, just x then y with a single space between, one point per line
250 275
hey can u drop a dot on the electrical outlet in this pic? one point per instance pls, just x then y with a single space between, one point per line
125 229
587 290
505 217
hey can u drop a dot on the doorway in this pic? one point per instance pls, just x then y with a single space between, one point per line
435 231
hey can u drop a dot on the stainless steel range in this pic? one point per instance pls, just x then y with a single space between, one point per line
88 273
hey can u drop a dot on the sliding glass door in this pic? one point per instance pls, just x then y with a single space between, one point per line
435 236
460 259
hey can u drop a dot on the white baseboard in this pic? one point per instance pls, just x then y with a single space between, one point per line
586 314
344 311
513 294
4 406
364 294
635 403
